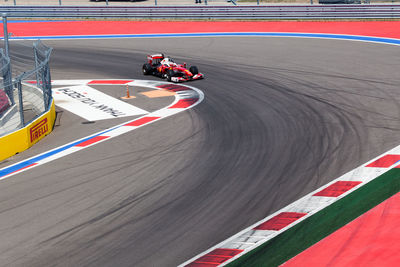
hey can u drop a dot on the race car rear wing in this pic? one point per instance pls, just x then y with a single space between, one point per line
155 59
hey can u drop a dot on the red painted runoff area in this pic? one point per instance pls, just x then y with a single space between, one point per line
280 221
371 240
385 161
215 257
336 189
389 29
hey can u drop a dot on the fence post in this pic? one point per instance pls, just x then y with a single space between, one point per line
45 95
48 84
47 80
36 65
8 82
5 30
21 104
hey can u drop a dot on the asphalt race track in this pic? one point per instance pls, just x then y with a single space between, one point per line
281 117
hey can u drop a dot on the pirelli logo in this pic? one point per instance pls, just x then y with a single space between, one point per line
39 130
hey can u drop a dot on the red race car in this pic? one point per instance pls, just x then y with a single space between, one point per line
165 67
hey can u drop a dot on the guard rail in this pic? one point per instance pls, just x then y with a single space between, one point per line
379 11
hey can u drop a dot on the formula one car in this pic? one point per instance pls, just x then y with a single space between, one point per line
165 67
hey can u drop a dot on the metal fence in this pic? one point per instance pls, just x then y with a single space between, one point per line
7 88
178 2
28 96
42 71
128 2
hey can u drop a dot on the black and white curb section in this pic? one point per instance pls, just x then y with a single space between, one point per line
257 234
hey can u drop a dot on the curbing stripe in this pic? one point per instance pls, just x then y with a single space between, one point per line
308 205
92 141
108 82
108 133
23 168
385 161
280 221
172 87
336 189
323 223
184 103
142 121
216 257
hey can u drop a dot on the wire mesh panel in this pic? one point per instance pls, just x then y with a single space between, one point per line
31 91
9 119
7 108
6 75
43 78
32 97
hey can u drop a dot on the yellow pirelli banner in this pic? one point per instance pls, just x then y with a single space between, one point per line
26 137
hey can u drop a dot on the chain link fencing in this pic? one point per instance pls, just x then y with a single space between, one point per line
28 96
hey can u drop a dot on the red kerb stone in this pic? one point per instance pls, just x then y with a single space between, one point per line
280 221
336 189
385 161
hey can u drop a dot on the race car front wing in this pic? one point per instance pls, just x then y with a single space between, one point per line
185 79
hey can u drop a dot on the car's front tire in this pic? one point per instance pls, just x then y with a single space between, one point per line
169 75
194 70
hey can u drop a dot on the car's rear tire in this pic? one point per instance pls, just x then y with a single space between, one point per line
147 69
194 70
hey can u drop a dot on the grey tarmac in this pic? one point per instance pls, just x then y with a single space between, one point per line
281 117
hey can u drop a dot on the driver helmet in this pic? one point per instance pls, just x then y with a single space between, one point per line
168 62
